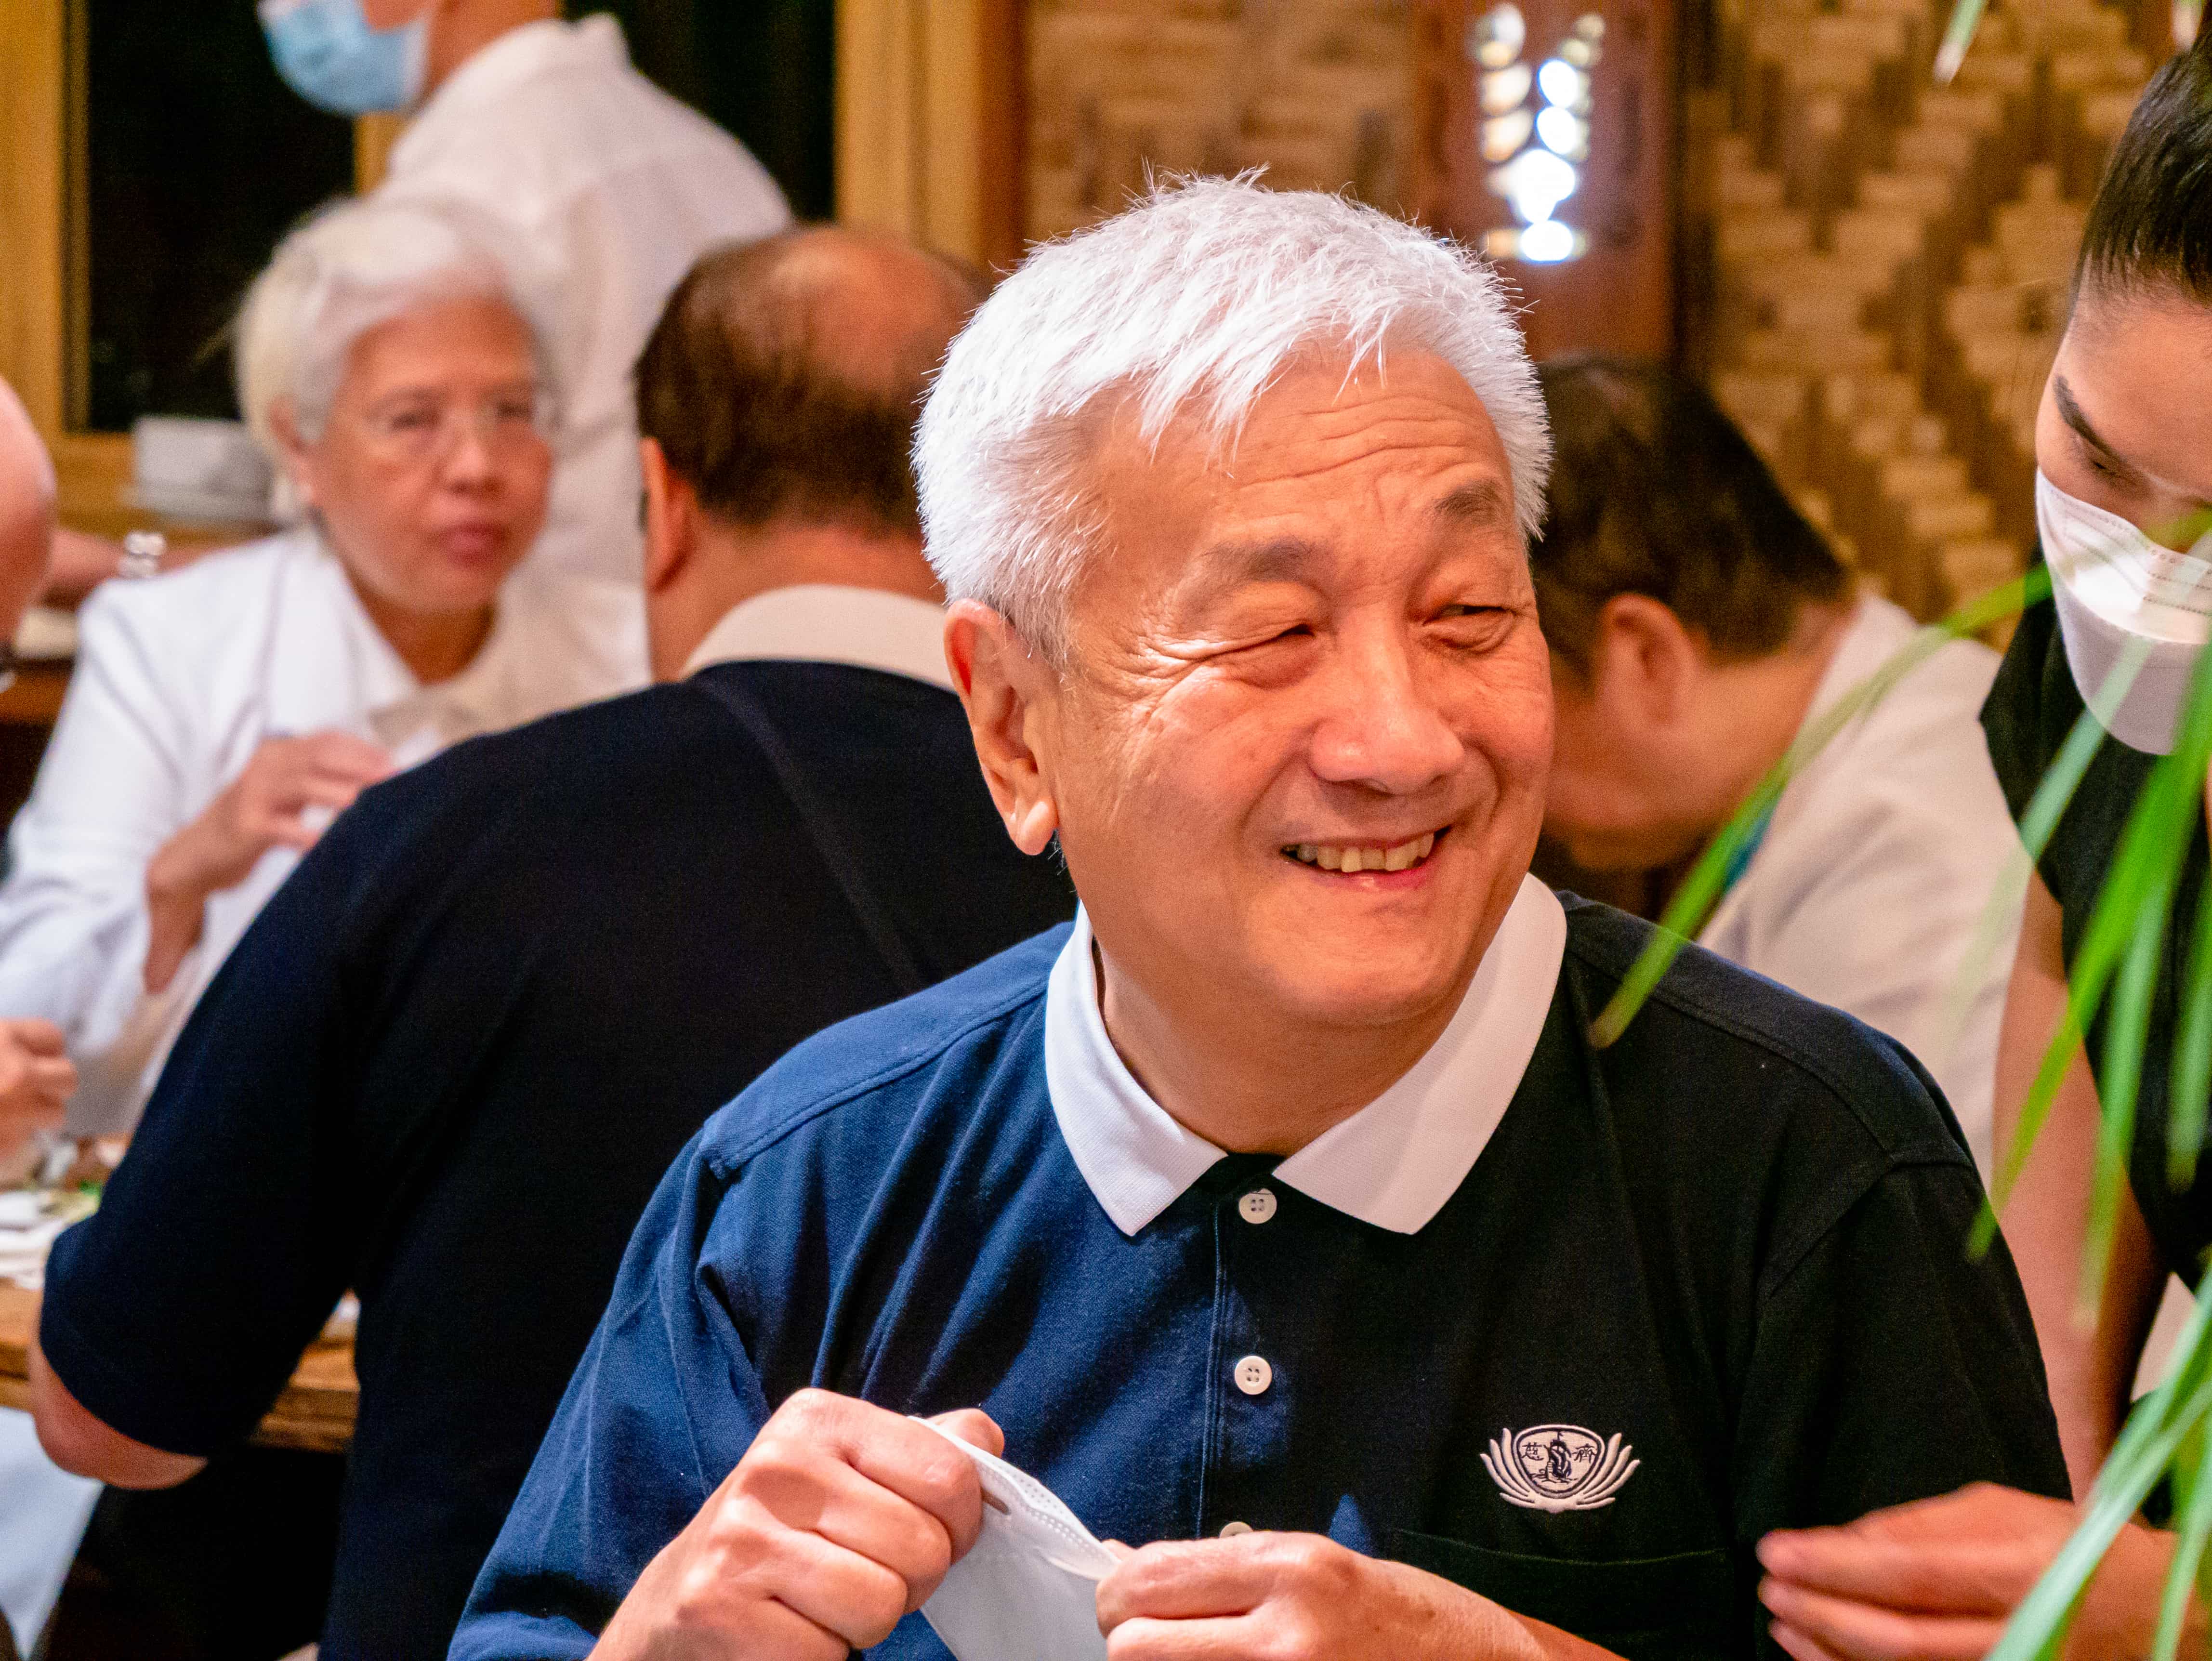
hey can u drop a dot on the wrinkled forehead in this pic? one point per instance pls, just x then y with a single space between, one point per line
1339 473
1330 435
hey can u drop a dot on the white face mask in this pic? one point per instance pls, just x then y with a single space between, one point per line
2123 600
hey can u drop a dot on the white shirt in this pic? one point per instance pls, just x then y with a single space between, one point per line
1871 883
611 191
179 680
1393 1164
829 623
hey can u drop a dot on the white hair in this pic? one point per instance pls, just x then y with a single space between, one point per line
353 265
1190 303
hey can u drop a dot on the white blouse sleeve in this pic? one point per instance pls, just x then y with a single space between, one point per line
115 784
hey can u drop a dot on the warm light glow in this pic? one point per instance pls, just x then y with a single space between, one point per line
1533 177
1547 242
1534 182
1562 83
1495 39
1503 89
1502 135
1563 132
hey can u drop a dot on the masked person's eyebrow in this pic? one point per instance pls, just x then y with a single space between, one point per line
2071 413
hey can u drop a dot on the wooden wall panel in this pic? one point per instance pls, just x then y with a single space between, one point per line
929 122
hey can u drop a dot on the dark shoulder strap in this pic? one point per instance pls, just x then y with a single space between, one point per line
821 828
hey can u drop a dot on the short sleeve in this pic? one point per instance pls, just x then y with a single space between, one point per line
2032 706
1889 1367
660 1410
178 1311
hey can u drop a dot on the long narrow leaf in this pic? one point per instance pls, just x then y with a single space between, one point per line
1966 18
2153 1432
2192 1056
2188 1555
2126 1034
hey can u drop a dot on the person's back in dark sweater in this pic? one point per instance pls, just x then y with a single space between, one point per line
449 1065
457 1049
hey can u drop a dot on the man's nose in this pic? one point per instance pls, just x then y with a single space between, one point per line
1384 729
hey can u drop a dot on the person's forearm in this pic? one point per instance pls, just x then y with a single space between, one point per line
2090 1366
177 890
81 1443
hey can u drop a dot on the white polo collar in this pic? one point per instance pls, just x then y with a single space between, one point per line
827 623
1392 1164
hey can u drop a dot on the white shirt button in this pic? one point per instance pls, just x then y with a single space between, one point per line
1230 1530
1254 1375
1257 1205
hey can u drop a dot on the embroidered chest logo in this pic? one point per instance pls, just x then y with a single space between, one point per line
1557 1468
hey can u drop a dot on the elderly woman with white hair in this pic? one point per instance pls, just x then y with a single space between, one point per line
1282 1216
220 714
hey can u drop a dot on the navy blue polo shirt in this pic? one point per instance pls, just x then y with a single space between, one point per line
1704 1283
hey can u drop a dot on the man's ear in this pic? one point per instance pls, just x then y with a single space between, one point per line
1009 693
298 461
671 518
1645 663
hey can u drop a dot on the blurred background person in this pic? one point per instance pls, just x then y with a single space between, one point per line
1697 624
220 715
452 1058
38 1503
607 188
36 1076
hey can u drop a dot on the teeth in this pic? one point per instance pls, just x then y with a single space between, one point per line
1332 856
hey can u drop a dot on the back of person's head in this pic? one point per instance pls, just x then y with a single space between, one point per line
348 268
2149 230
785 376
1655 492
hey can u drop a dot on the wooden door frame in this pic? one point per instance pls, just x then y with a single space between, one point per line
929 123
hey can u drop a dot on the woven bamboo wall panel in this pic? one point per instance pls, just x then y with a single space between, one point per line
1313 90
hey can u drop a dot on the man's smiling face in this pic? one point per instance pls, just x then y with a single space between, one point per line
1297 754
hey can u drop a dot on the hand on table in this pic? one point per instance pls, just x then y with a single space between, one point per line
841 1518
1302 1597
36 1078
264 807
1936 1580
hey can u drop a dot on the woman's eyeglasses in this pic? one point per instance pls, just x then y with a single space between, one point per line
416 430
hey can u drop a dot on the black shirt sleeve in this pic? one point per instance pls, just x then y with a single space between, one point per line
177 1313
1889 1366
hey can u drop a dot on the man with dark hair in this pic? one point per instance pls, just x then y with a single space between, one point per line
450 1059
1698 626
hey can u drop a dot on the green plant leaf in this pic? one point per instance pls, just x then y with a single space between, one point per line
1958 35
2195 1530
2192 1056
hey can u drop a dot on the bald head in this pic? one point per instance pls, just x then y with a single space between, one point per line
26 511
785 376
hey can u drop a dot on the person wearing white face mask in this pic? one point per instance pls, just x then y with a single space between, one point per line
610 189
2124 454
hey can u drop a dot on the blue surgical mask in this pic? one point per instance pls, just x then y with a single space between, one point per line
327 52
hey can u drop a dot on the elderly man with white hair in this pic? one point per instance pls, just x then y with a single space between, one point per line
1281 1217
220 714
